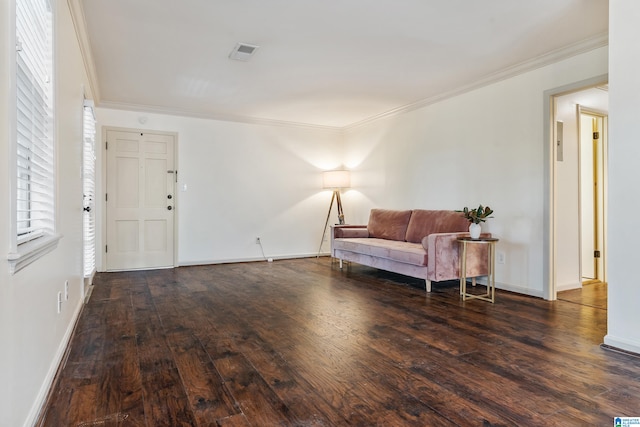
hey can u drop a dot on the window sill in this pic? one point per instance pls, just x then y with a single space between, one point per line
31 251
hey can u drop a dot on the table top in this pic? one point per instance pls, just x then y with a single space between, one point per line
479 239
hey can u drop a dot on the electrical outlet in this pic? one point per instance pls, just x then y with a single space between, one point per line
66 290
501 257
257 241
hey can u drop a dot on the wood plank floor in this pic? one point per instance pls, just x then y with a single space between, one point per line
301 343
593 294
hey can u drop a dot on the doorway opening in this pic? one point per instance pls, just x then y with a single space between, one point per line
592 151
592 148
577 231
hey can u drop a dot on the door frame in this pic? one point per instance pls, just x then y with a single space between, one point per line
103 189
549 243
601 234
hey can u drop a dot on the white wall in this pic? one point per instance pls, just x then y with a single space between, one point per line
484 146
32 334
624 156
243 181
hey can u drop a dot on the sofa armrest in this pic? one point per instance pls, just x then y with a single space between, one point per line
350 231
346 231
443 256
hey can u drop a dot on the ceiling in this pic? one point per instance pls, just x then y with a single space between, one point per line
320 62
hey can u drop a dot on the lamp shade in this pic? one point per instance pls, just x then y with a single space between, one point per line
336 179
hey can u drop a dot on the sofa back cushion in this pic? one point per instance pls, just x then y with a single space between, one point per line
388 224
425 222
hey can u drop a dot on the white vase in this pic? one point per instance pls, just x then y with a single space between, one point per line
475 230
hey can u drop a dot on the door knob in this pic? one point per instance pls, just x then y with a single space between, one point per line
169 208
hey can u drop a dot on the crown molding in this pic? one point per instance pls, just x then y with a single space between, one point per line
552 57
80 25
220 117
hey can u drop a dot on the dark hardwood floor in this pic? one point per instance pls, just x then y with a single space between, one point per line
301 343
592 294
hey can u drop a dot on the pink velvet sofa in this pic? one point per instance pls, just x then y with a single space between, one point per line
417 243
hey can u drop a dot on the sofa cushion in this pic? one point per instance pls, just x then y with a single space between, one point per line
405 252
388 224
425 222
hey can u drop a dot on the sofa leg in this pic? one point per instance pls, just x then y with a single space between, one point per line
428 285
340 263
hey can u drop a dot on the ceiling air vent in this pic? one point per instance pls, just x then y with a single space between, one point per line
243 51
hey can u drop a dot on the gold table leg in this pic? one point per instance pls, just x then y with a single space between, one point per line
491 279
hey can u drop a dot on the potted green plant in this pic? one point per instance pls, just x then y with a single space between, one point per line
476 217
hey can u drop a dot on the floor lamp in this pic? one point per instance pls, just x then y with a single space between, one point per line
334 180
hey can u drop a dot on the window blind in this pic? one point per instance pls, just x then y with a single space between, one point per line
34 136
89 188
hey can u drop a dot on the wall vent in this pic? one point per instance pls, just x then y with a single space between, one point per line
243 51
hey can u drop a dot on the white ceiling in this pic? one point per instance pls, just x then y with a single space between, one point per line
321 62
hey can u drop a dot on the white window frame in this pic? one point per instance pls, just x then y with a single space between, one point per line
26 249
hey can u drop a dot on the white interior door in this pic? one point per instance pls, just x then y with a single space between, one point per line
140 200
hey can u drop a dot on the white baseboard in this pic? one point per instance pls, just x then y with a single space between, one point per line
251 259
43 393
622 344
513 288
568 286
538 293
